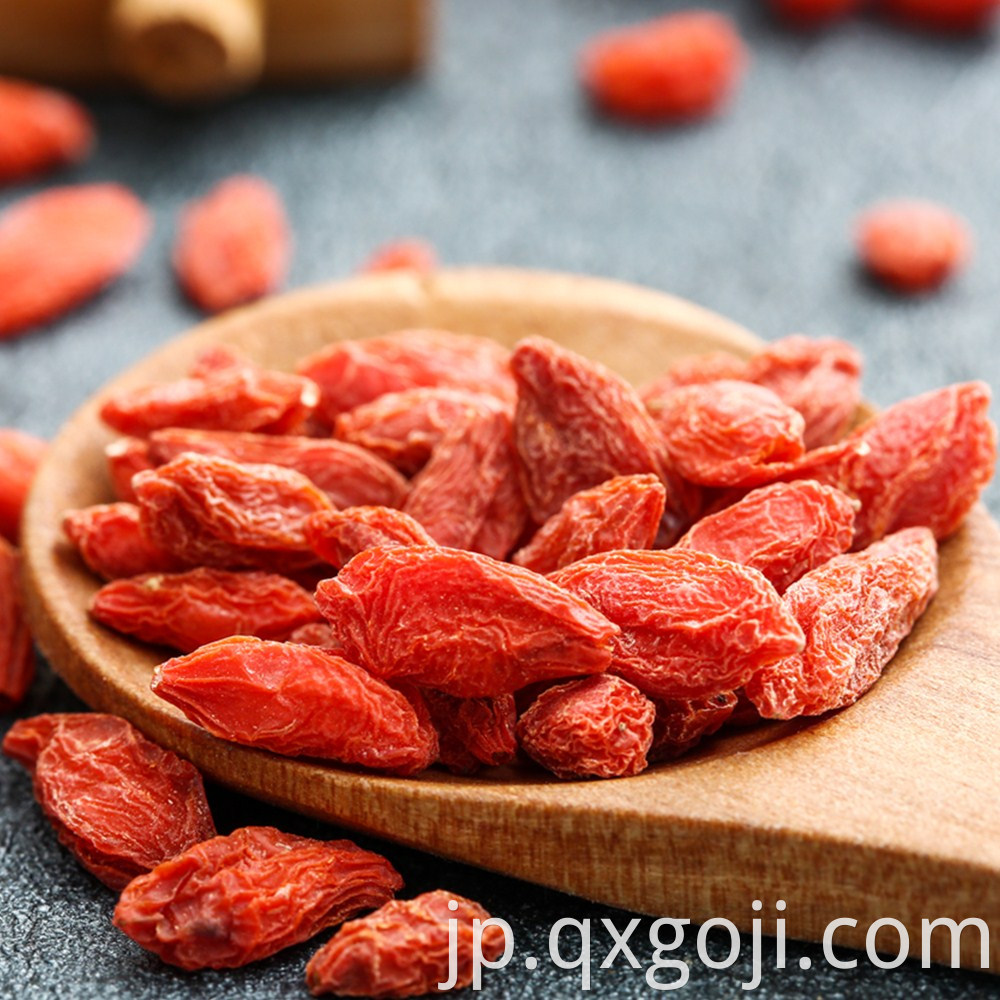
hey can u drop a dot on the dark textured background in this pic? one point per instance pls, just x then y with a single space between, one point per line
495 158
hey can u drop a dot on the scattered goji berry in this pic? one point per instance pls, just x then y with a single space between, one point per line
20 456
215 512
237 899
347 474
405 427
126 457
337 536
676 68
188 610
299 701
950 16
623 513
111 542
691 624
784 530
42 129
352 372
855 610
813 13
61 247
405 949
17 657
402 255
313 634
233 245
680 726
473 731
120 803
912 246
460 622
598 727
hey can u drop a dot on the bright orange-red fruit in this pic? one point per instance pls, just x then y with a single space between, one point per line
20 455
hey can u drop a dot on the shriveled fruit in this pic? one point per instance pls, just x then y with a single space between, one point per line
784 530
192 609
473 731
460 622
949 16
120 803
676 68
813 13
695 370
623 513
598 727
912 246
61 247
404 949
337 536
679 726
20 456
691 624
405 427
237 899
298 701
313 634
402 255
347 474
111 542
17 657
42 129
221 513
126 457
233 244
352 372
855 611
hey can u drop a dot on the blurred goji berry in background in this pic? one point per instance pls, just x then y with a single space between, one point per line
20 456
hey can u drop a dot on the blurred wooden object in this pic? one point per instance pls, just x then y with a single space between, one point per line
197 49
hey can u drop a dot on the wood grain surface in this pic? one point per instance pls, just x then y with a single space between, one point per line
889 808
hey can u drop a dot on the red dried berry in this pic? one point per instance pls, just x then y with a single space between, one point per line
17 656
404 949
61 247
126 458
337 536
460 622
299 701
855 611
784 530
20 456
912 246
237 899
691 624
680 726
402 255
676 68
120 803
813 13
697 370
623 513
473 731
233 244
42 129
949 16
598 727
314 634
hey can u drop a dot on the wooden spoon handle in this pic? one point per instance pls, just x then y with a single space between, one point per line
183 50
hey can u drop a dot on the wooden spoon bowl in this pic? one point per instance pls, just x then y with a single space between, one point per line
889 808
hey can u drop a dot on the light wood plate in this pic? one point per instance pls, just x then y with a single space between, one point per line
887 809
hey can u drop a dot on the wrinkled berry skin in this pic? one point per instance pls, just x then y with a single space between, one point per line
337 536
126 458
680 726
474 731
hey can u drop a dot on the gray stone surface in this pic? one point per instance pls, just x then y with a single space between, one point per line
495 158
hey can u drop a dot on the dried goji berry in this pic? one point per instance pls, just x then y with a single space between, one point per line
405 949
951 16
188 610
215 512
405 427
691 624
473 731
237 899
598 727
855 611
120 803
402 255
676 68
337 536
696 370
61 247
300 701
681 725
233 244
126 457
17 656
313 634
912 246
347 474
42 129
813 13
623 513
454 496
111 542
727 433
352 372
460 622
20 456
784 530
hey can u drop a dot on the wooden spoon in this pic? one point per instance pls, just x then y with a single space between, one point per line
889 808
